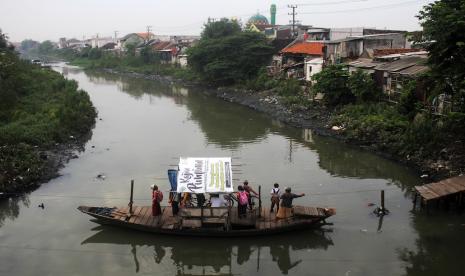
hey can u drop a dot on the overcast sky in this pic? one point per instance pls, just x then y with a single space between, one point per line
52 19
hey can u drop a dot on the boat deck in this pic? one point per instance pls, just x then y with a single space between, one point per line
142 215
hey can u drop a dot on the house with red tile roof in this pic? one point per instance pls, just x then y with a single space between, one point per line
302 59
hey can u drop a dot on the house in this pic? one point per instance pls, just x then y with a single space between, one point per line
134 39
315 33
99 42
353 47
312 67
166 50
393 75
77 44
392 72
301 59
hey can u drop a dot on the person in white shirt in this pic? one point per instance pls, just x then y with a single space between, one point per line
275 195
217 201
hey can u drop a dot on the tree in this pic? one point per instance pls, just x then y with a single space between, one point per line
222 28
4 42
46 47
443 23
408 102
28 44
225 55
363 86
95 53
332 81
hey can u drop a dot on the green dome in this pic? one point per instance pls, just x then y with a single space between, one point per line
258 19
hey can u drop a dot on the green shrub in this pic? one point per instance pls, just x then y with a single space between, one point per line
288 87
408 103
332 81
363 87
261 82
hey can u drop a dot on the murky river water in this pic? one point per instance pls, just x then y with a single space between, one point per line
145 126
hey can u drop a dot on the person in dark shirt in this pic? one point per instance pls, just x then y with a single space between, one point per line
285 210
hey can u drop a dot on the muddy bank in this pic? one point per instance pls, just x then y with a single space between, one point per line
318 118
27 167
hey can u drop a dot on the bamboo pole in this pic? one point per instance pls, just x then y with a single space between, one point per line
382 200
131 197
259 201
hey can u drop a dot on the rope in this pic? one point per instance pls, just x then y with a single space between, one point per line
148 199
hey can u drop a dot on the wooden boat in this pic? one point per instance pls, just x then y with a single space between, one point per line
209 221
200 176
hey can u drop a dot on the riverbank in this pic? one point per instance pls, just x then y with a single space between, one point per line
44 120
321 120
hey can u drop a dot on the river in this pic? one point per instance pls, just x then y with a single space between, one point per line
144 126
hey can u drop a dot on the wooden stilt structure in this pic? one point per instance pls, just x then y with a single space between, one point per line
448 191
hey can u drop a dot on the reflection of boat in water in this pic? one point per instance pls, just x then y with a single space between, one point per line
190 255
214 176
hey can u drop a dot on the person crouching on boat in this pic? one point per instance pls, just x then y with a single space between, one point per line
285 211
275 194
157 197
242 201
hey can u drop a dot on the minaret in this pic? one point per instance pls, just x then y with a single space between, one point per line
273 14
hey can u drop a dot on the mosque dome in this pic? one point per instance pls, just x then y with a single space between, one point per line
258 19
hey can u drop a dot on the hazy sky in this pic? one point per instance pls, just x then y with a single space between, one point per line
52 19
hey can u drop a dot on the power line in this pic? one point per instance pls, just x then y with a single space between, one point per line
331 3
147 199
367 8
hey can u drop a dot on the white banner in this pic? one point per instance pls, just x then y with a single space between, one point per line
205 175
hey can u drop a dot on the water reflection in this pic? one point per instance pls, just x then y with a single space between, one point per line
342 160
230 126
439 241
225 124
10 207
221 256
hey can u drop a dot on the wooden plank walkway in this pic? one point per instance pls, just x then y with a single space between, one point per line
442 188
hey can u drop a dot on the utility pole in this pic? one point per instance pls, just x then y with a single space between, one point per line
149 28
293 7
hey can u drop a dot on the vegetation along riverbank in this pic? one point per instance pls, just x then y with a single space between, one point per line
421 124
43 117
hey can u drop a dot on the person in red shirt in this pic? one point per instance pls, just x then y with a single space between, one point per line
242 200
249 191
157 197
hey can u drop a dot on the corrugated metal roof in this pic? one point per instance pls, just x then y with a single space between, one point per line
401 64
364 63
415 70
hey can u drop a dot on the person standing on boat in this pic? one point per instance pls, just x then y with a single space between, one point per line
285 210
175 198
249 191
275 194
242 201
157 197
